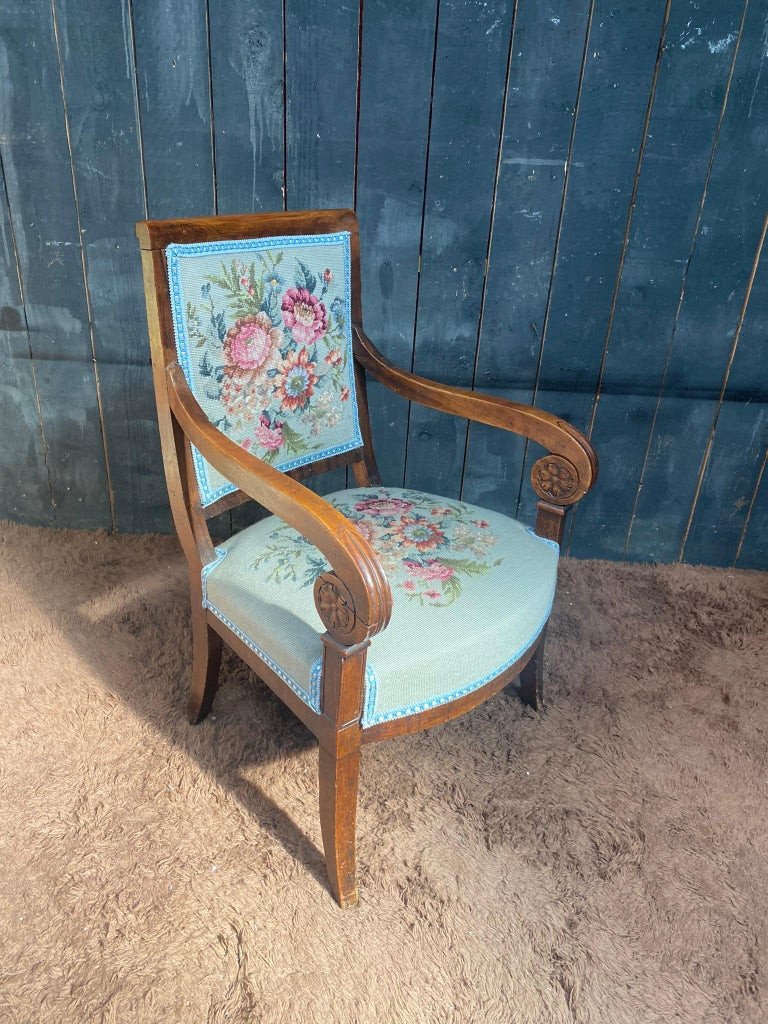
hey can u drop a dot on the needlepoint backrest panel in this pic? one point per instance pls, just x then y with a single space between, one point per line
263 335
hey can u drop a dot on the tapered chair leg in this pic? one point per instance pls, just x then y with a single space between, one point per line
206 661
338 813
532 679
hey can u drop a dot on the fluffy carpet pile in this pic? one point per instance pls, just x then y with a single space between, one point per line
603 862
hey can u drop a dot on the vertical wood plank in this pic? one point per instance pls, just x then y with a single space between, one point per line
473 43
321 62
688 102
38 175
753 548
321 58
739 441
96 50
610 129
392 147
720 266
247 89
545 71
25 492
171 39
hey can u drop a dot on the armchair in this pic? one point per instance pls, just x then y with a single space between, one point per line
374 612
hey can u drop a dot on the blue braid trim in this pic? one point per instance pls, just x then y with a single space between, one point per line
543 540
371 718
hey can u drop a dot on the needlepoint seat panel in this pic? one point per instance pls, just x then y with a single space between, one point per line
472 590
263 336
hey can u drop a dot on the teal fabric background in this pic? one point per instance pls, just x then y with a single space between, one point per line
472 590
263 336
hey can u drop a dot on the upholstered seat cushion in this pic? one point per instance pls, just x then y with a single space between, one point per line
472 590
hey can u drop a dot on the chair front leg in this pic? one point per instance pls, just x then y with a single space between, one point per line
339 775
339 771
206 662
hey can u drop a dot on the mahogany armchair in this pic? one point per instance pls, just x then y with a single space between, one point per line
371 613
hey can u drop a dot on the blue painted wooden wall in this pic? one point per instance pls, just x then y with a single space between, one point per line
562 201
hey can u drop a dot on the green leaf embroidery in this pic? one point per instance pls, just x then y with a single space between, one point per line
293 440
465 565
305 278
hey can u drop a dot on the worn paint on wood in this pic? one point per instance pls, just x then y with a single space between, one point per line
706 328
546 62
687 106
173 74
394 118
25 490
619 74
473 45
36 163
550 208
247 91
739 439
100 88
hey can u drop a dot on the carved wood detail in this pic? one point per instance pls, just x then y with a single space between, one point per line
556 479
336 607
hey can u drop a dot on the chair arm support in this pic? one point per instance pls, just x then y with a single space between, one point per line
562 477
354 601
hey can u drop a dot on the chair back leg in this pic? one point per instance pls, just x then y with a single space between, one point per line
206 662
532 677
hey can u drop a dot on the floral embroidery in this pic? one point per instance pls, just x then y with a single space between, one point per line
425 549
297 380
266 345
304 315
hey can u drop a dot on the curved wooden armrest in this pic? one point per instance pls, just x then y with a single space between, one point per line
563 477
355 600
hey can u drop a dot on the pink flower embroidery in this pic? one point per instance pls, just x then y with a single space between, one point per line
249 343
327 276
481 523
269 437
420 534
409 585
431 571
334 357
433 594
383 506
297 380
305 315
344 394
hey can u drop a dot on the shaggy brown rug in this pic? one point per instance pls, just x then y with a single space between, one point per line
604 861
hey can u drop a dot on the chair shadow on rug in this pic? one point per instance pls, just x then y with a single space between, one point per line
125 627
375 612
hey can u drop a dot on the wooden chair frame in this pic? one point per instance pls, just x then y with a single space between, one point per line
353 600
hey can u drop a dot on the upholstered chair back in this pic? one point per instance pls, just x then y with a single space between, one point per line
263 335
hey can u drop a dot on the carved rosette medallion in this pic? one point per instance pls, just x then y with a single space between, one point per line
337 609
555 479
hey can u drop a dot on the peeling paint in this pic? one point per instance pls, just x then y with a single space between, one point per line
722 44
